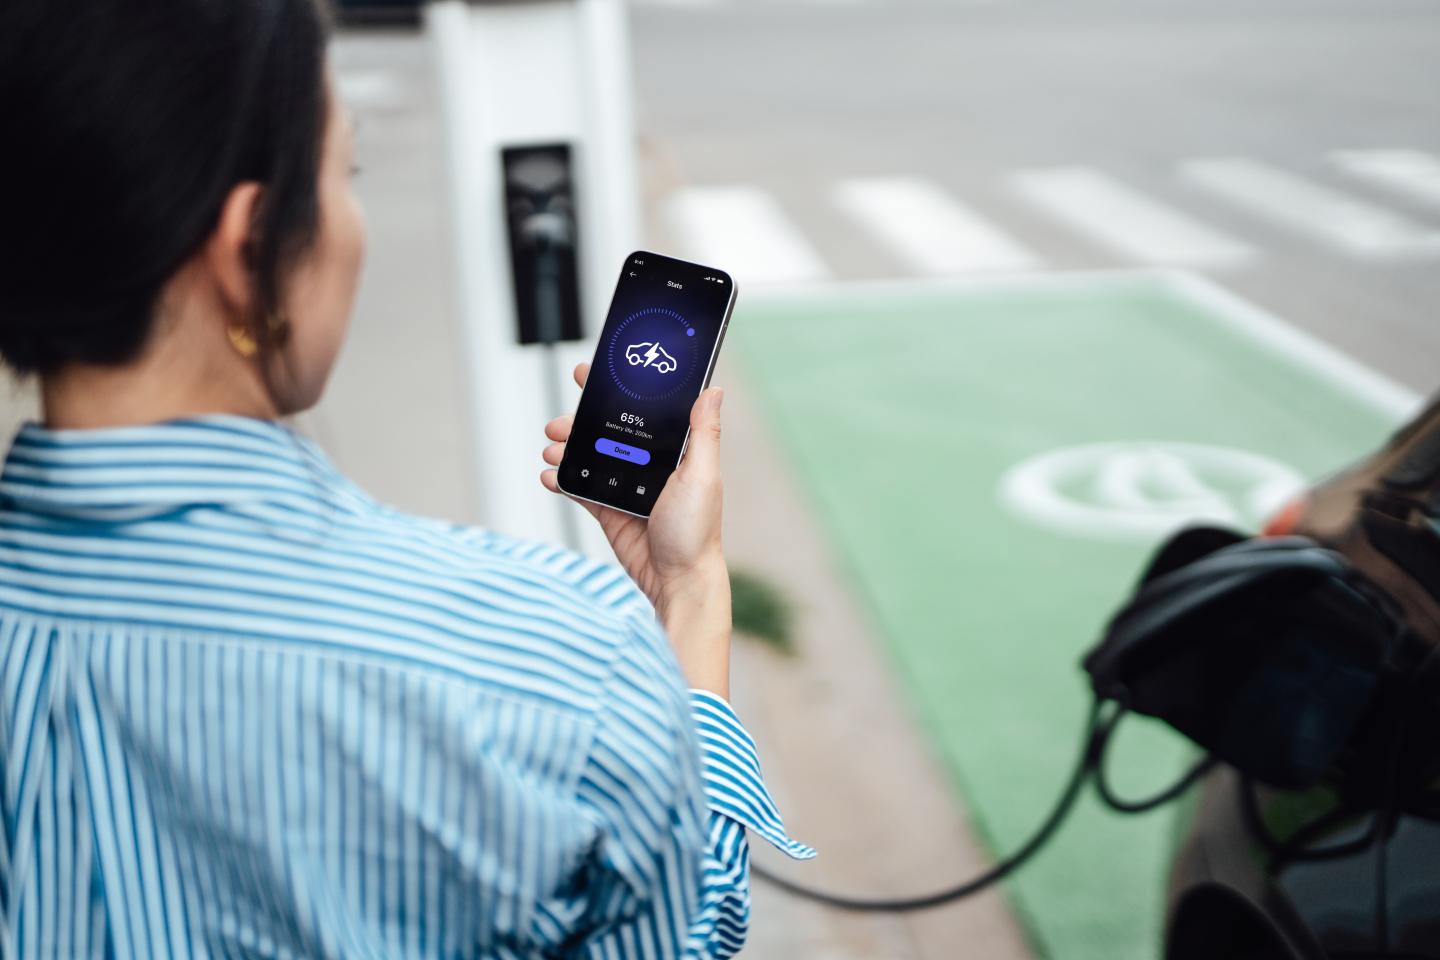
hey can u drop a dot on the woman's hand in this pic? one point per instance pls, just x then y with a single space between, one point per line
675 557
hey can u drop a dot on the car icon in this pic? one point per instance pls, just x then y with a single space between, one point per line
648 354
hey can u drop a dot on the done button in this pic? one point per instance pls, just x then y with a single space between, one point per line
621 452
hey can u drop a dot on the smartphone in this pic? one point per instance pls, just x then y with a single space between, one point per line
655 355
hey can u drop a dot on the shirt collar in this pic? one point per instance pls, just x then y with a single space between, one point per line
127 473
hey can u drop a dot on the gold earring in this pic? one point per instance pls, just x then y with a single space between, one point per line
277 329
242 340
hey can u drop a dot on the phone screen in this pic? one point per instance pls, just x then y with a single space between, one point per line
655 355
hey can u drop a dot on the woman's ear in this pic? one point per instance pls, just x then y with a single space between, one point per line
229 253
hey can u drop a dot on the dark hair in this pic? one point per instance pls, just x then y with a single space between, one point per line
124 124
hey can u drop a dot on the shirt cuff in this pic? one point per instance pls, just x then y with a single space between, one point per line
734 786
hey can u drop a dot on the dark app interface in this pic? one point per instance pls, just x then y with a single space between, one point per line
650 364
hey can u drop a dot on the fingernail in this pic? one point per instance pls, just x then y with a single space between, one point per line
718 399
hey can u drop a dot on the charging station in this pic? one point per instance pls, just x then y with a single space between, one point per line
537 105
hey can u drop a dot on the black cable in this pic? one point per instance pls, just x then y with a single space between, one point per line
1120 804
1386 821
1098 731
1390 802
1295 846
1381 828
1292 848
1382 895
1089 756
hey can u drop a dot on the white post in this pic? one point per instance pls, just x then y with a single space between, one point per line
518 73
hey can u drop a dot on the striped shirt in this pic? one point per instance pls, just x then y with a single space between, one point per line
245 710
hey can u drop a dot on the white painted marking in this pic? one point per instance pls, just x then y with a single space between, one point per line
1385 396
1410 172
1126 221
1339 219
1289 342
742 230
1144 491
928 228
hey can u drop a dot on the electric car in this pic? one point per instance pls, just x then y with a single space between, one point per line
1265 874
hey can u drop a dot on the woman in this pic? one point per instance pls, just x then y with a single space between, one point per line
244 709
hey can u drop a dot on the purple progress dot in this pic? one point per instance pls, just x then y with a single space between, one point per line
690 332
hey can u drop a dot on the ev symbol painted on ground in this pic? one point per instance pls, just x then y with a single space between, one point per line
652 355
1144 491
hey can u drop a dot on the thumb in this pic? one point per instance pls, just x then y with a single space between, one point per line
702 454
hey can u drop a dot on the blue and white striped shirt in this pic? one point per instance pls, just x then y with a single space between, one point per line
245 710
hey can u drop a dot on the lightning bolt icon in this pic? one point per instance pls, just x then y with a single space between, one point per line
652 353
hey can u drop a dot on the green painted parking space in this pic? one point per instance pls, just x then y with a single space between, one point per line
993 465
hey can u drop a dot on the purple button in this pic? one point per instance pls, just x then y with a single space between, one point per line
622 452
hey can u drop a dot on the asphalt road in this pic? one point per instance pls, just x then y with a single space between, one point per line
793 96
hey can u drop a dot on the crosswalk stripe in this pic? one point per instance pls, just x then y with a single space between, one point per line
1337 218
1126 221
743 230
1411 172
929 229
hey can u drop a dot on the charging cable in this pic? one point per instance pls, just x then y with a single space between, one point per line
1098 730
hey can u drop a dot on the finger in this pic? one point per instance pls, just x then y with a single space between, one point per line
702 455
554 453
559 428
582 373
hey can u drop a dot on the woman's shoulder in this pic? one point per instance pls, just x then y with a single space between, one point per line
495 594
599 586
524 578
